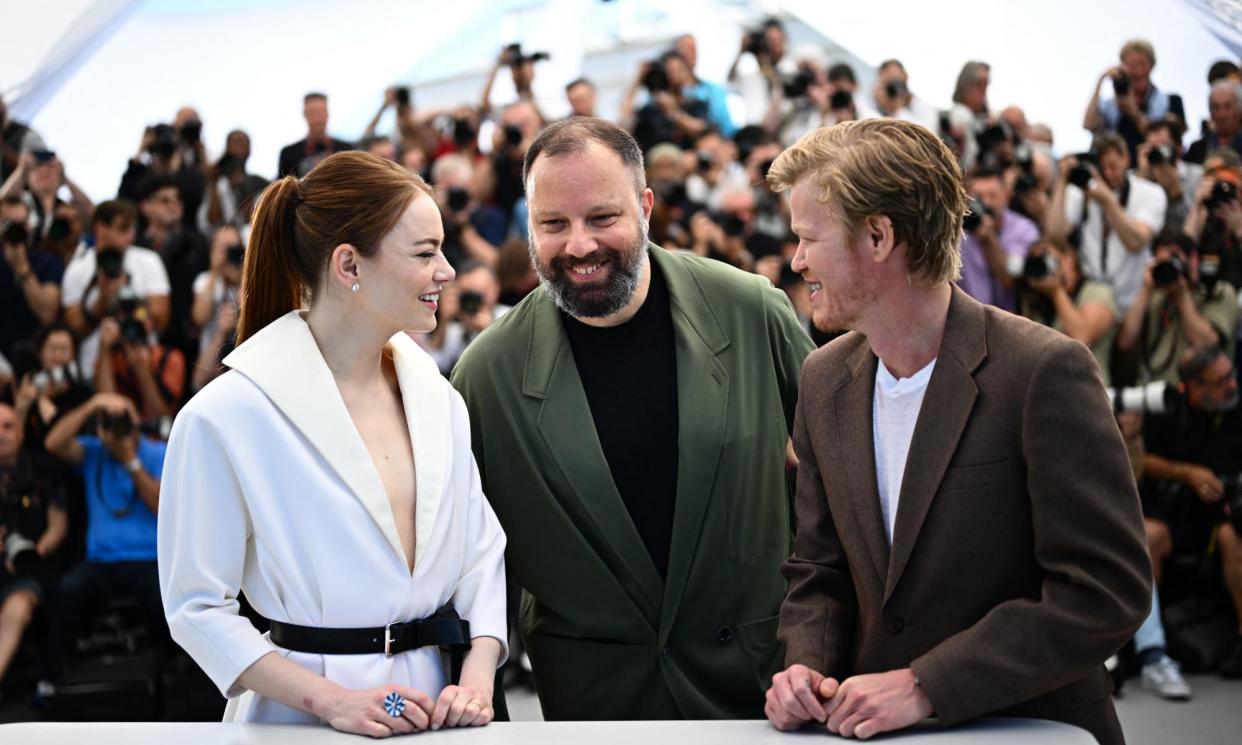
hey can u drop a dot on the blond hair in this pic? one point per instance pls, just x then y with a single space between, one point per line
886 167
1142 46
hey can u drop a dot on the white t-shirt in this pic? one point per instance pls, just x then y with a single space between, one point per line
894 412
144 271
1124 272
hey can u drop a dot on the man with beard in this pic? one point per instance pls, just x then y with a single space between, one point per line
630 425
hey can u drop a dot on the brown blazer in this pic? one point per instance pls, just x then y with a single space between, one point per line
1018 562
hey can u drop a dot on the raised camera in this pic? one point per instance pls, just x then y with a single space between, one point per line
974 215
1167 272
402 94
895 88
470 302
1121 84
796 87
1159 155
1222 191
235 254
111 262
655 80
841 100
1039 267
458 199
14 233
116 424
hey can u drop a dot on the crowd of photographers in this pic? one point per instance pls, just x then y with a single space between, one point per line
116 313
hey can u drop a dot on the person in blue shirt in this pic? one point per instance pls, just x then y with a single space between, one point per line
1136 100
713 94
120 470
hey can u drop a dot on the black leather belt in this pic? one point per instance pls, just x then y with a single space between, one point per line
444 629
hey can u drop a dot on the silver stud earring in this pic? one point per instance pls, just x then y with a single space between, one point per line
355 287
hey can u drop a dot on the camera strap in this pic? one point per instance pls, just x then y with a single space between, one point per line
1106 229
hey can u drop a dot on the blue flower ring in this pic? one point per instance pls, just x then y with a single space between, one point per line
394 704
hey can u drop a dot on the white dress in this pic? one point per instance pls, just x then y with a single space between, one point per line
268 488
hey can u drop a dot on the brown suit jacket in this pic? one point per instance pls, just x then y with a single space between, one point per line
1018 562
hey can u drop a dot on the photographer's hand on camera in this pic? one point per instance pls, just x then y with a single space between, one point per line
1205 485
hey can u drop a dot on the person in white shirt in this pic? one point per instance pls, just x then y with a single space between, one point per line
891 97
329 476
1114 213
93 281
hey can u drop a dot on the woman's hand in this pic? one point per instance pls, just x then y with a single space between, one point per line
462 706
364 712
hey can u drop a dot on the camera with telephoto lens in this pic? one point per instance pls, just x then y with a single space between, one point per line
1153 398
235 254
796 86
1167 272
1039 266
841 100
1159 155
470 302
1080 174
132 312
118 424
458 199
895 89
974 215
513 135
1222 191
402 94
515 56
111 261
164 143
655 79
14 233
1121 84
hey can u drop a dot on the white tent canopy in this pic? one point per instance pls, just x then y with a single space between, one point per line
90 75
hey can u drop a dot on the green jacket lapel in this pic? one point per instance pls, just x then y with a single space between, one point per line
565 424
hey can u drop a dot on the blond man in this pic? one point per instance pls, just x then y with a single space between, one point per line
969 541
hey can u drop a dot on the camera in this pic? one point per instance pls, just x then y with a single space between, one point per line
895 88
796 87
165 142
132 313
513 135
974 216
1167 272
1159 155
117 425
235 254
463 132
191 132
59 230
1039 267
756 42
731 224
1080 175
470 302
20 551
111 261
995 134
655 79
14 233
841 100
1121 84
513 55
1222 191
45 379
704 160
1154 398
458 199
402 94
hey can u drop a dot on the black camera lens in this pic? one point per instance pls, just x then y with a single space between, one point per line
470 302
704 160
15 233
235 254
191 131
974 215
796 88
655 80
1080 176
133 331
117 425
111 262
841 100
1038 267
59 230
733 226
895 88
458 199
1121 84
463 132
1167 272
1222 191
403 95
513 135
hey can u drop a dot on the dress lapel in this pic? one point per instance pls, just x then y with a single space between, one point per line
284 361
950 396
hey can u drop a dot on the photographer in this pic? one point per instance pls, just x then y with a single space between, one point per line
37 180
29 279
471 230
669 114
33 523
1055 293
1190 499
1215 219
1136 101
521 70
1160 161
994 238
15 138
131 362
468 305
183 251
1174 310
120 470
1112 214
231 190
95 277
300 157
502 170
760 66
969 114
710 93
216 293
1225 114
891 97
54 387
173 151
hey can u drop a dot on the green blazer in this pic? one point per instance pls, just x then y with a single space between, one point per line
608 639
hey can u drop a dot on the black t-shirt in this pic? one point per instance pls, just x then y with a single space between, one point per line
18 323
1188 435
629 373
27 489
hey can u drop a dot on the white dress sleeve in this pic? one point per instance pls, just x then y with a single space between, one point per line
204 527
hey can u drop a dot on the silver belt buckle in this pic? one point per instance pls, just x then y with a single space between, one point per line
388 639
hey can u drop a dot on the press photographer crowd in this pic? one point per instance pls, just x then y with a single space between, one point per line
115 313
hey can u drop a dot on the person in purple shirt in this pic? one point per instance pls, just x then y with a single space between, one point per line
993 252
